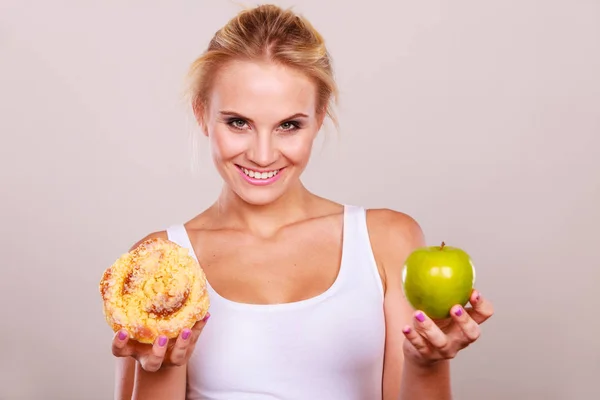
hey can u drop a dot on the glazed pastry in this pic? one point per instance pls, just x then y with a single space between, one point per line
158 288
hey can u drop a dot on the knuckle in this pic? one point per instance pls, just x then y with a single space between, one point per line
422 329
185 347
156 357
116 346
487 309
159 352
119 351
421 347
446 348
417 343
154 365
178 358
148 366
442 343
471 331
449 353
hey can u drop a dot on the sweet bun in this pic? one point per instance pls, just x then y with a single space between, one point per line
158 288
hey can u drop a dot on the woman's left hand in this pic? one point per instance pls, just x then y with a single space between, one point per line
430 341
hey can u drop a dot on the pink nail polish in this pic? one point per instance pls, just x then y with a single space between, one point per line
206 317
458 312
186 334
406 330
122 335
420 316
478 296
162 341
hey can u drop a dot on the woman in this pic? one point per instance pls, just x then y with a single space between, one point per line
306 295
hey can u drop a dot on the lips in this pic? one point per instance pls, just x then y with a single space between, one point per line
259 174
260 178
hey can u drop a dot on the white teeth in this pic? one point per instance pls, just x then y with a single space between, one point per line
260 175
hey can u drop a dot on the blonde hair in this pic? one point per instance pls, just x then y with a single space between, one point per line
266 33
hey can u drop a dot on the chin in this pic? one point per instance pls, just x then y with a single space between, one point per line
258 196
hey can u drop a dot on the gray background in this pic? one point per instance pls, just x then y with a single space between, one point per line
480 119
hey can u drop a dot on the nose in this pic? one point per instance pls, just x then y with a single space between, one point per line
262 152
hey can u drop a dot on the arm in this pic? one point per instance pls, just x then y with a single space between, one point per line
133 382
124 378
394 236
165 384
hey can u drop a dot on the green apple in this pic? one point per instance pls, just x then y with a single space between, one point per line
436 278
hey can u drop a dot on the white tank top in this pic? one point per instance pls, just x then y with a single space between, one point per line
327 347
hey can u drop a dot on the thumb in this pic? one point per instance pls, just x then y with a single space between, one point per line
120 344
198 327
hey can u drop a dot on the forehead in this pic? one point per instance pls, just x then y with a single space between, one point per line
262 90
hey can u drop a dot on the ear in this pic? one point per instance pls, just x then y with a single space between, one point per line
321 118
203 127
200 115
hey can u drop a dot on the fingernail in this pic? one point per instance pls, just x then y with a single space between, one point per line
186 334
406 329
458 312
206 317
162 341
420 316
122 335
477 296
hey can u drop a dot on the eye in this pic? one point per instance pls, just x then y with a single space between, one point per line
237 123
290 126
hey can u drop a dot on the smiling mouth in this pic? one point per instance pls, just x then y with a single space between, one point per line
259 174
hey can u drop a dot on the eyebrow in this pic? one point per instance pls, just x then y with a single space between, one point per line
226 113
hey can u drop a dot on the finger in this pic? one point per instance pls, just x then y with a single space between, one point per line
120 346
430 331
482 308
418 341
153 361
186 341
468 326
180 349
198 327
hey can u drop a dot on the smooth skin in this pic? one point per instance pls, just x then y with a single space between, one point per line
263 116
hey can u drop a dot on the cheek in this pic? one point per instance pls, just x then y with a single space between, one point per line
297 149
225 144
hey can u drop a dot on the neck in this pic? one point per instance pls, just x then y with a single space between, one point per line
266 219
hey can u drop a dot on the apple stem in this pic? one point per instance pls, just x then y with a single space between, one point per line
442 246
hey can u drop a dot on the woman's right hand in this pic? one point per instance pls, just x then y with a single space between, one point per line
164 352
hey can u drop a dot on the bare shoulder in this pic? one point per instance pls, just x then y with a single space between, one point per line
393 223
153 235
394 235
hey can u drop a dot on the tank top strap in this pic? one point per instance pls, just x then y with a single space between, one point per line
363 271
178 235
